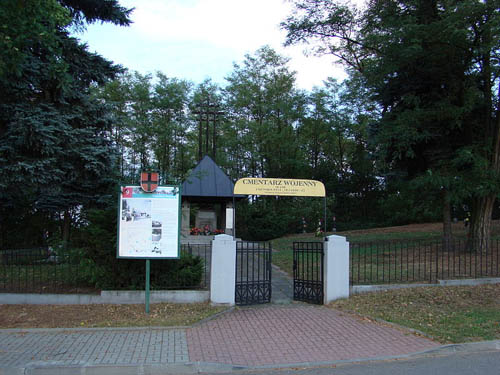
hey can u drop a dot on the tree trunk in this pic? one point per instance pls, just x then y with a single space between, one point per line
478 238
480 227
447 233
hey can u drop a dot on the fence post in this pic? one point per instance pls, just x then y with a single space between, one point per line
336 268
223 271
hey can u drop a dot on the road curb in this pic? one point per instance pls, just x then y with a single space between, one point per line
203 367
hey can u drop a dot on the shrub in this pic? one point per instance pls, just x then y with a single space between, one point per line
100 267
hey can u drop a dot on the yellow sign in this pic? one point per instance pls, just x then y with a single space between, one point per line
279 186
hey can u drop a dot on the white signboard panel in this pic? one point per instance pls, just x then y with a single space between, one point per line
149 223
229 218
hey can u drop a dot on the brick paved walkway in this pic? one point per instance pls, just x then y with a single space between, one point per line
255 336
90 347
279 335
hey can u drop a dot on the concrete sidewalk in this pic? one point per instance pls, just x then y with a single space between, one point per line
254 337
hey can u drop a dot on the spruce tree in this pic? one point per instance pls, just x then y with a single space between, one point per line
55 150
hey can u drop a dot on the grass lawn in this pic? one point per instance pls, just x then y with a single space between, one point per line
448 314
283 253
104 315
283 247
408 253
283 250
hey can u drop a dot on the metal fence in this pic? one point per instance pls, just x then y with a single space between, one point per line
422 261
42 271
39 270
204 251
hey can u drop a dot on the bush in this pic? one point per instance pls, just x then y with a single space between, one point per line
270 218
176 273
97 243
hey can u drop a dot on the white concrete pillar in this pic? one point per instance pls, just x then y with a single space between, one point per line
223 272
336 268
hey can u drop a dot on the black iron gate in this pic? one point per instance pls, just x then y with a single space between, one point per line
253 273
308 272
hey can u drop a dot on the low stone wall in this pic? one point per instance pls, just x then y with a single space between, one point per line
358 289
106 296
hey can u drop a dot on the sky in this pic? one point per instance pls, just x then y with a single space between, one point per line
200 39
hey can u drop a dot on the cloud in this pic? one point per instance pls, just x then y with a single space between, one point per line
239 24
197 39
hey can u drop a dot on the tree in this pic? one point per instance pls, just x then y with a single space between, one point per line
54 135
140 140
170 124
150 124
431 66
334 133
482 124
265 102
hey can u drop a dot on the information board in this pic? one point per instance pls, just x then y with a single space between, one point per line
149 223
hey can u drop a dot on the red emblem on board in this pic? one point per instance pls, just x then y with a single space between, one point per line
149 181
127 192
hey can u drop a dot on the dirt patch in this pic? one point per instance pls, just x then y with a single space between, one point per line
103 315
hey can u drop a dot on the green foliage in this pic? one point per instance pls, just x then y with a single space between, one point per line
23 24
96 243
91 11
432 68
411 127
55 151
149 124
407 206
269 217
261 221
265 104
182 273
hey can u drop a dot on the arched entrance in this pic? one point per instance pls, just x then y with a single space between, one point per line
253 285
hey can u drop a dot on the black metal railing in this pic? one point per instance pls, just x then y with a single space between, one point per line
422 261
204 251
253 273
41 270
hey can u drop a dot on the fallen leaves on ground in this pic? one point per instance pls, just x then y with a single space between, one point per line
449 314
103 315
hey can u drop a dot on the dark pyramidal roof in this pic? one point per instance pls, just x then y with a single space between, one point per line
207 180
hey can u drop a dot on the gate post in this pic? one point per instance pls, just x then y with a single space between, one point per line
336 268
223 272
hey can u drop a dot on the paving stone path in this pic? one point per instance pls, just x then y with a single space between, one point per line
256 336
278 334
282 287
93 347
274 335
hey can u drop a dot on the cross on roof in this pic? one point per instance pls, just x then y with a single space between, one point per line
207 109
